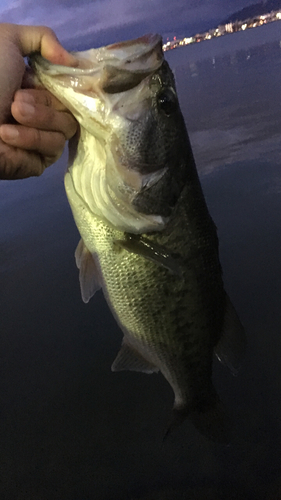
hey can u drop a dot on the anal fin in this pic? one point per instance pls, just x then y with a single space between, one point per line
129 358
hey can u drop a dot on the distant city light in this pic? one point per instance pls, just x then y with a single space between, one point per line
224 30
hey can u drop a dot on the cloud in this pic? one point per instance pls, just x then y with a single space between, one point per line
105 21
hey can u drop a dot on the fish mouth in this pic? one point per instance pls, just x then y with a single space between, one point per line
117 67
109 92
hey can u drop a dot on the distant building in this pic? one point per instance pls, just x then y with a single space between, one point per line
229 28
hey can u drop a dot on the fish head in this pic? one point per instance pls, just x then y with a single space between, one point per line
130 166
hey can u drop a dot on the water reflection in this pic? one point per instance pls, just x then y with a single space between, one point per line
70 429
232 104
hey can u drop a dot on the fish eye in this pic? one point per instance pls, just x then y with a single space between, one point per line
167 101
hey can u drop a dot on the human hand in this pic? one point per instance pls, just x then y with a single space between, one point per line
43 124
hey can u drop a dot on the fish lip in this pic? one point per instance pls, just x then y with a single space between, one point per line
38 61
142 47
150 39
110 56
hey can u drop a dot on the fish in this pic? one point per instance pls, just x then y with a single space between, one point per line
147 237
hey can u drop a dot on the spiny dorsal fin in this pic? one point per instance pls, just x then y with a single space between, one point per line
231 347
130 359
88 273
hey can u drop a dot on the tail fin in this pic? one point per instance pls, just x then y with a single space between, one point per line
210 419
214 423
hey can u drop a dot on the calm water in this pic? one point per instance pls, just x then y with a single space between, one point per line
69 428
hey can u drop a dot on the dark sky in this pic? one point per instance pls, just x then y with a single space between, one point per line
106 21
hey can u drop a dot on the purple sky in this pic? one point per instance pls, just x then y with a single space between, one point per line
98 22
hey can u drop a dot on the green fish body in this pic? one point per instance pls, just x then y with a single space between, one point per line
147 238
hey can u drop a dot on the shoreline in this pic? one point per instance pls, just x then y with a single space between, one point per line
242 40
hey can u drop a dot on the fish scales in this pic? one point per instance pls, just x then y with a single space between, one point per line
148 239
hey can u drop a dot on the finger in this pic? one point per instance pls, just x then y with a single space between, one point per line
39 96
43 117
44 40
20 164
45 143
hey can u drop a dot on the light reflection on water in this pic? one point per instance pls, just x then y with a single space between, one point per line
70 429
232 103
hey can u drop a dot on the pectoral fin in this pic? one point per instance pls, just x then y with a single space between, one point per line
151 251
231 347
88 272
129 358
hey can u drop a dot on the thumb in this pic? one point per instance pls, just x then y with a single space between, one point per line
42 39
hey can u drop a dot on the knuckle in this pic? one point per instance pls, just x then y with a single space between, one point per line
36 138
71 126
11 167
19 164
60 143
45 30
47 99
49 144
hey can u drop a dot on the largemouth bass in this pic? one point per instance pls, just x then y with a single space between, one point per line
147 238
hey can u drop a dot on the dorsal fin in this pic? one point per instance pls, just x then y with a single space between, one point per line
88 272
129 358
